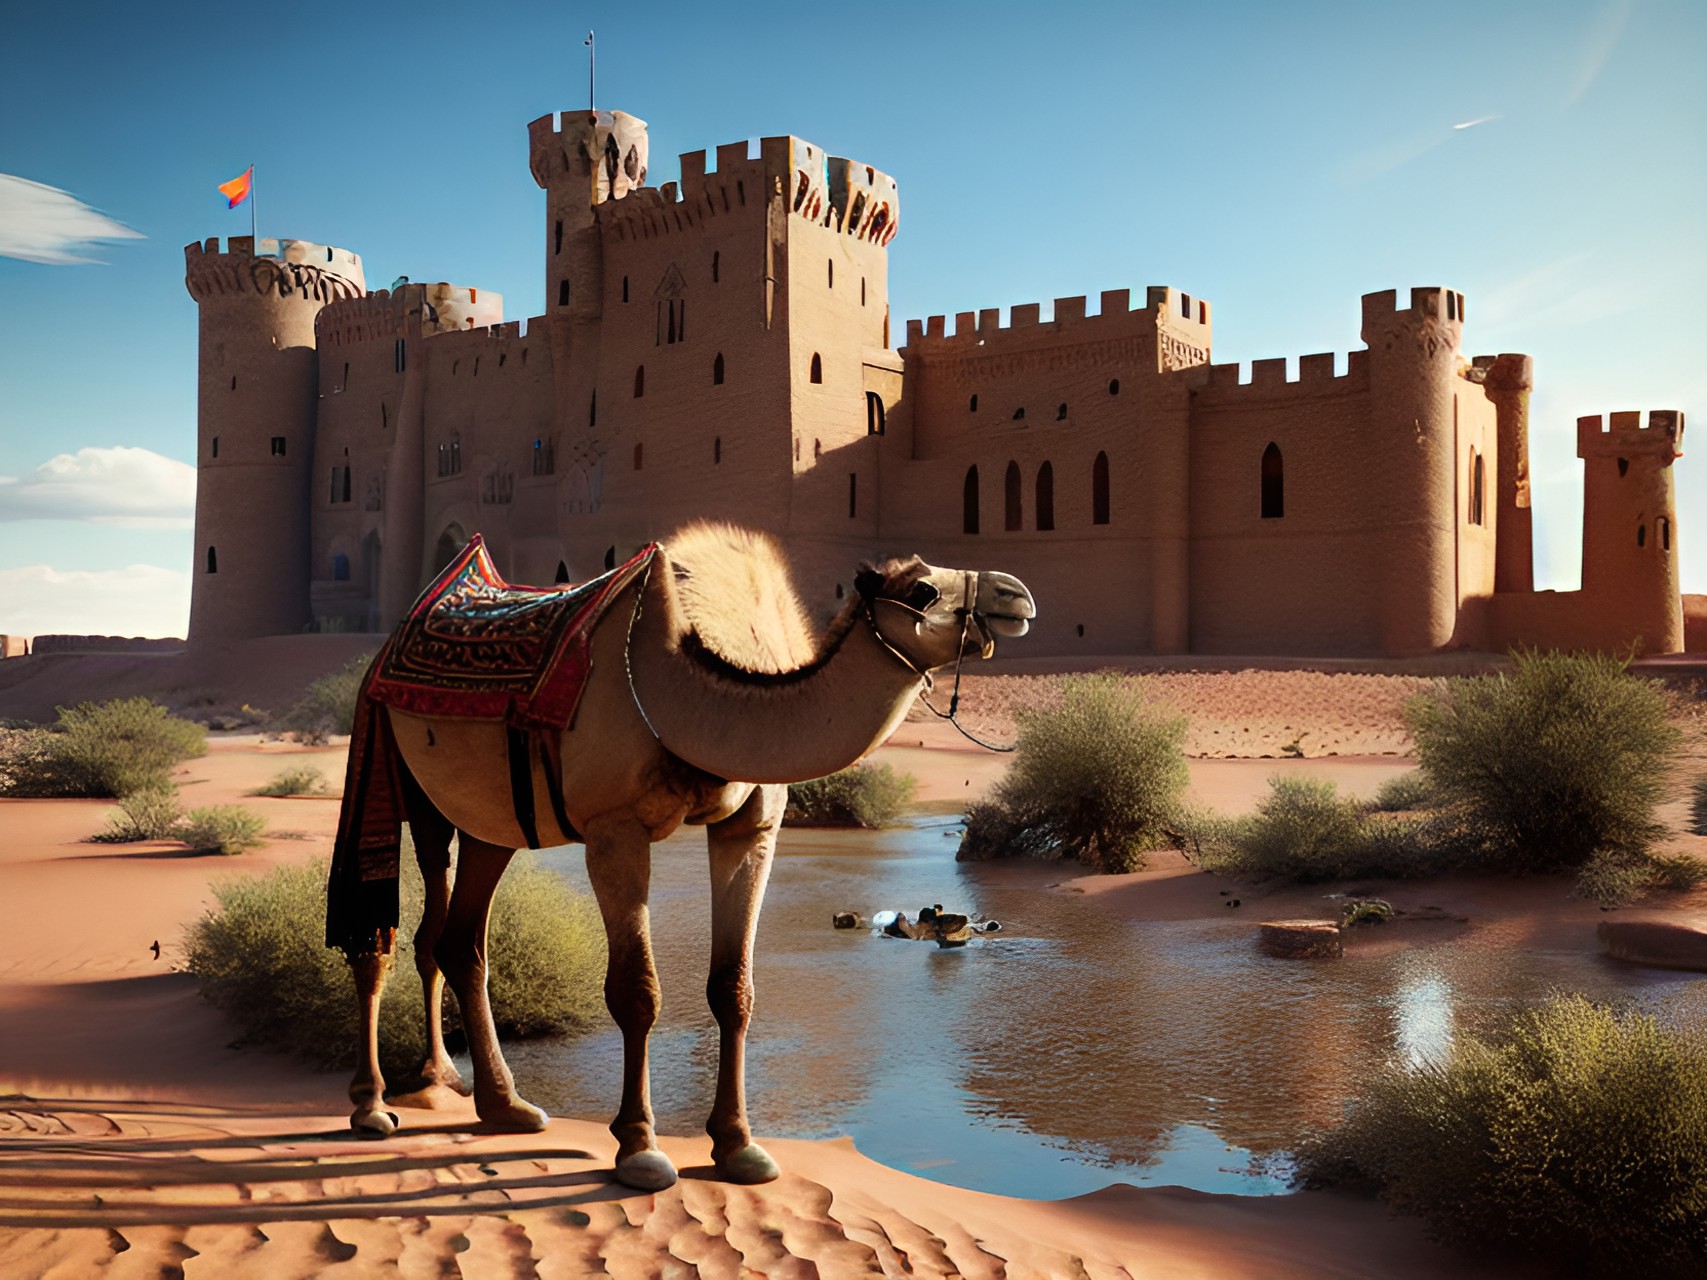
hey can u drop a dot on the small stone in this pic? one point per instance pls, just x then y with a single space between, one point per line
1301 939
1659 944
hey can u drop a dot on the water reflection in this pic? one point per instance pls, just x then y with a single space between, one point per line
1071 1050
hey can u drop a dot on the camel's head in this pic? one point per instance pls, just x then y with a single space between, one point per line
936 616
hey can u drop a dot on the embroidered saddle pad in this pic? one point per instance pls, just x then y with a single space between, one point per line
475 647
472 647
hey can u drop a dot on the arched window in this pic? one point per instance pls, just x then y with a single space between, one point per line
817 367
344 489
212 560
972 404
610 557
452 540
716 265
1642 534
1061 412
717 370
969 502
1013 514
1045 498
639 455
873 414
562 293
562 574
1273 483
1664 526
1477 479
639 381
340 567
1114 386
1099 489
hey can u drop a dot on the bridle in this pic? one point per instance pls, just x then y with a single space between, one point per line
969 617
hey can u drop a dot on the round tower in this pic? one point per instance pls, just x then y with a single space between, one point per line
1630 573
255 415
581 159
1409 483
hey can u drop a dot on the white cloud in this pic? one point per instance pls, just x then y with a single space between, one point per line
1603 37
142 600
125 486
1571 291
39 223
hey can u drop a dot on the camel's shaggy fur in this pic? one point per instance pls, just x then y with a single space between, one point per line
734 586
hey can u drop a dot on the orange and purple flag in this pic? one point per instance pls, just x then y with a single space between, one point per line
237 190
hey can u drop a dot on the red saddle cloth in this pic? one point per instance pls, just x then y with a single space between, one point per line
472 647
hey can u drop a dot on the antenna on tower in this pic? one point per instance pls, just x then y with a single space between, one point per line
592 58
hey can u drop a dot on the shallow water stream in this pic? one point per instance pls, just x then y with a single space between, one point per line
1071 1050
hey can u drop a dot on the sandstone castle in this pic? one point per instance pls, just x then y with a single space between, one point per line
721 346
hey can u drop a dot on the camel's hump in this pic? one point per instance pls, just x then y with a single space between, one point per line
734 585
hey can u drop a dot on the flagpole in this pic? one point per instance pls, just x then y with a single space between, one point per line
592 62
254 237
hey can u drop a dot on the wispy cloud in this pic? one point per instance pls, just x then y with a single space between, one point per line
1603 38
140 600
39 223
129 487
1471 124
1569 291
1373 162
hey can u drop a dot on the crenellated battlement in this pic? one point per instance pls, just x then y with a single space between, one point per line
412 311
1434 319
287 268
1116 317
606 149
1267 379
1625 435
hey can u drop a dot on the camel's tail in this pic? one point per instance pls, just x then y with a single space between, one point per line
361 892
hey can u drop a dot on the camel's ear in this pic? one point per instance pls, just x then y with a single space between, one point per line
868 582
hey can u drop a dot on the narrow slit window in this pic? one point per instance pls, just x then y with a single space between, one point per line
874 424
817 367
1045 504
1664 526
972 404
625 288
1273 483
717 450
215 447
639 381
399 355
1099 489
212 560
1641 535
562 574
1477 480
557 239
969 502
1013 507
278 446
853 494
716 266
639 456
610 557
717 370
562 293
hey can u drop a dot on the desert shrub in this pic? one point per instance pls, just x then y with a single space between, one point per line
1583 1135
328 706
1403 794
261 957
301 780
1204 835
1565 756
1305 831
101 749
1096 779
149 813
221 828
1698 807
867 795
1614 877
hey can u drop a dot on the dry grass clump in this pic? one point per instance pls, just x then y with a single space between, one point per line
261 957
221 828
1582 1136
301 780
1096 779
329 704
1698 807
867 795
152 813
99 749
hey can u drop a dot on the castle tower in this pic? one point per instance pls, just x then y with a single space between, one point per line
1508 380
255 419
1410 489
1630 574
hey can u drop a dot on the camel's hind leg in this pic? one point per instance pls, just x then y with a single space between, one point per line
741 848
619 864
461 953
367 1089
432 832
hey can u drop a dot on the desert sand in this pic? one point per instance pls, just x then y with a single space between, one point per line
137 1140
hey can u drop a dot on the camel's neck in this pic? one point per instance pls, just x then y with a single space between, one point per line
764 728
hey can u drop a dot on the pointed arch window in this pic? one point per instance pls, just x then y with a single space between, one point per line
873 414
1099 489
212 560
562 574
717 370
817 367
1663 524
969 502
340 567
1273 483
1045 505
1013 508
1478 477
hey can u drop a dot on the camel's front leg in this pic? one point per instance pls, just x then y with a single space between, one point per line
461 953
619 864
367 1088
741 848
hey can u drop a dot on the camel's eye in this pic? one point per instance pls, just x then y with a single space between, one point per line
922 595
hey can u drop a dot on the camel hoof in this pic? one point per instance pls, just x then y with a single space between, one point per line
515 1115
646 1171
751 1164
375 1124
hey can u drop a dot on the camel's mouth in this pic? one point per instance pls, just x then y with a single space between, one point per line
1007 626
1005 605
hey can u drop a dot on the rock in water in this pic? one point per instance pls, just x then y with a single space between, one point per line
1301 939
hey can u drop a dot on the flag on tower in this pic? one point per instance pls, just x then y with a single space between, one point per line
237 190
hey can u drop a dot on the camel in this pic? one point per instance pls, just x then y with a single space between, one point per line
707 694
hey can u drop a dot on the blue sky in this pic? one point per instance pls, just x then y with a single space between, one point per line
1278 160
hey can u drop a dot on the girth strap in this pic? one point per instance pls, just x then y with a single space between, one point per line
521 782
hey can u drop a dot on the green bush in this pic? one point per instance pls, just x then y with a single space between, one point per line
302 780
221 828
1403 794
867 795
1566 756
1302 830
329 704
1698 807
1614 878
1582 1136
101 749
261 957
1097 779
151 813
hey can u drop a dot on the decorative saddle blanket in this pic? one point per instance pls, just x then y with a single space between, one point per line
472 647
